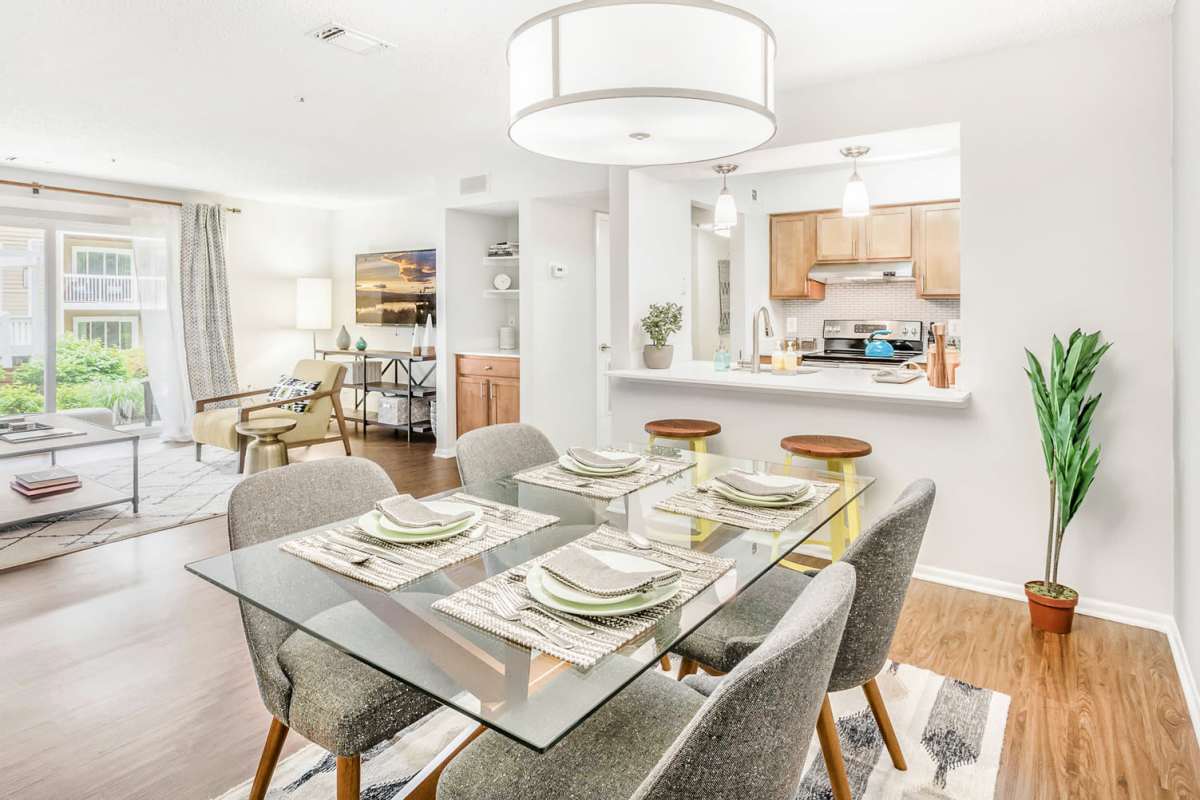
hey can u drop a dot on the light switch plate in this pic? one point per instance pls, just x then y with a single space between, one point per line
558 270
793 325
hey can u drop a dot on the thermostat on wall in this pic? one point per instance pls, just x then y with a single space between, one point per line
558 270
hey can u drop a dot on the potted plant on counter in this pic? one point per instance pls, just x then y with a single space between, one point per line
1064 412
662 320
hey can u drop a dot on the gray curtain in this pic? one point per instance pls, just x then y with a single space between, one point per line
204 286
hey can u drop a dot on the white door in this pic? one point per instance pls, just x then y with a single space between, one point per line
603 333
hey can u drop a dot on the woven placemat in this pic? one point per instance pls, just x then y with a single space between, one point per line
477 605
699 501
657 468
391 564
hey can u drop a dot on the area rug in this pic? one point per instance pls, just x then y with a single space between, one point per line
174 490
951 734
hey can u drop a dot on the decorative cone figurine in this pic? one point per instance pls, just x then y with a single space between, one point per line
343 339
427 344
415 347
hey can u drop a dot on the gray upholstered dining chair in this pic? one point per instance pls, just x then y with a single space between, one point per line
661 740
497 451
884 557
323 694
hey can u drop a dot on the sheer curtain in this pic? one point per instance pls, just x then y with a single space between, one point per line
156 237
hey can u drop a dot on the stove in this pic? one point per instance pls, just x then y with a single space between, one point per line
846 342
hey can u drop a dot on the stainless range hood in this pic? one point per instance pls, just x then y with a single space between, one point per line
858 272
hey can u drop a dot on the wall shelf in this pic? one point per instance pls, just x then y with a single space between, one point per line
512 294
501 259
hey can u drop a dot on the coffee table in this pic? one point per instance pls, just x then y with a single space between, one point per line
16 509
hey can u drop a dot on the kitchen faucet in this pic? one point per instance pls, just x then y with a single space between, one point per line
767 329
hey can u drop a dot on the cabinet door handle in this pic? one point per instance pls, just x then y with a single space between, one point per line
483 391
493 392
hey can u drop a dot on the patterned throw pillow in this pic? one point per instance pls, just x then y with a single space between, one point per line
293 387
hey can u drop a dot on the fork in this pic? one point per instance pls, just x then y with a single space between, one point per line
522 604
527 626
508 610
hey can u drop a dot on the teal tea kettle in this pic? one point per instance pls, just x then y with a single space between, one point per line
879 348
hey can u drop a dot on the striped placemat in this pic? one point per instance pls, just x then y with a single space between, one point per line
348 551
590 638
657 468
698 501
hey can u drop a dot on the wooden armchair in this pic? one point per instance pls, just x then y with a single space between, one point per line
217 426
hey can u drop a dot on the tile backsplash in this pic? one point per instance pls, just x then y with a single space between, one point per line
891 300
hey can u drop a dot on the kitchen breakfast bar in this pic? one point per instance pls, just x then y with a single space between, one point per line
913 428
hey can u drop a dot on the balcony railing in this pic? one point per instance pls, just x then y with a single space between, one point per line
101 290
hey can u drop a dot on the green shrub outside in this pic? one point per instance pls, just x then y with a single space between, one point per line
89 375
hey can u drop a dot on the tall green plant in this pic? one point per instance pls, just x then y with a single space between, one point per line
1064 412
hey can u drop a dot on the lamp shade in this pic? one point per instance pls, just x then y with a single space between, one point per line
314 304
636 82
854 201
725 214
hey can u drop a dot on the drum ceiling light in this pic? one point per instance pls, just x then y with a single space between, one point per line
631 82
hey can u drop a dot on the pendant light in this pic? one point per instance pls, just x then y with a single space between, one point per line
639 82
854 201
726 214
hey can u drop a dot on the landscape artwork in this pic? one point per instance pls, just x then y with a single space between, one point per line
395 288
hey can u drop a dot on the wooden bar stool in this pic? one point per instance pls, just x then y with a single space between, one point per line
838 453
695 431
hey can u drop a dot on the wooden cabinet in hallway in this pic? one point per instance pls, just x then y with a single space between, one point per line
488 391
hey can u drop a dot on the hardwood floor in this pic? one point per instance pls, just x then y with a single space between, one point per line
124 678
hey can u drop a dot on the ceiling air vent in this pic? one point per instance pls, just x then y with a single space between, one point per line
349 39
473 185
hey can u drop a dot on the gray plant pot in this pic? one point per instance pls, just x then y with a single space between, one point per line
658 357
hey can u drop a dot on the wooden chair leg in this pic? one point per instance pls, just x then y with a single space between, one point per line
875 700
348 772
276 734
831 749
242 454
341 422
687 667
665 663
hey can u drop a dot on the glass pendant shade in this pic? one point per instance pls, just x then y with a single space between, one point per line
725 214
855 202
638 83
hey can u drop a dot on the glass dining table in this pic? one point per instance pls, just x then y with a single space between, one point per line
532 697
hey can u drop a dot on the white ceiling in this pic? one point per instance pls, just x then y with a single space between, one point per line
202 94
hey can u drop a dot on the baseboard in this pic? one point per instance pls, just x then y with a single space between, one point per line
1101 609
443 452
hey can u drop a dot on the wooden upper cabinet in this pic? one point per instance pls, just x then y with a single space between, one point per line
837 237
936 261
793 251
888 235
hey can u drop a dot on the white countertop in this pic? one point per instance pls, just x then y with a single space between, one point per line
823 383
491 353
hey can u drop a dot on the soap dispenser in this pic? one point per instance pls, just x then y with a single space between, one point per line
778 360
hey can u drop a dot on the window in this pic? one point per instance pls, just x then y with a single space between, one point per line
102 261
116 332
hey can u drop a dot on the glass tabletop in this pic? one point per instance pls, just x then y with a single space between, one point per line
534 698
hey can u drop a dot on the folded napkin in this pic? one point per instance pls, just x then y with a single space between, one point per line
751 485
406 512
580 570
590 458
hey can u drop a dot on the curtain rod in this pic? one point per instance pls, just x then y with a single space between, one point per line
38 187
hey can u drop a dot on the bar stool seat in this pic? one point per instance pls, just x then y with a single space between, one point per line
838 453
683 428
826 447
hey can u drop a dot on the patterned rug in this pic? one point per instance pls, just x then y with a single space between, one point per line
174 490
951 734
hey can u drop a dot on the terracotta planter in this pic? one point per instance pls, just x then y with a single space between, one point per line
658 357
1050 614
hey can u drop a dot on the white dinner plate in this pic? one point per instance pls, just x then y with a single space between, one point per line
369 523
571 465
538 581
744 499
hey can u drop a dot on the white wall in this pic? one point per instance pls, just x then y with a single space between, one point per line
707 250
1187 309
558 321
1066 222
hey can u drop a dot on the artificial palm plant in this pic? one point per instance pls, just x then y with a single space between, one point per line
1064 412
